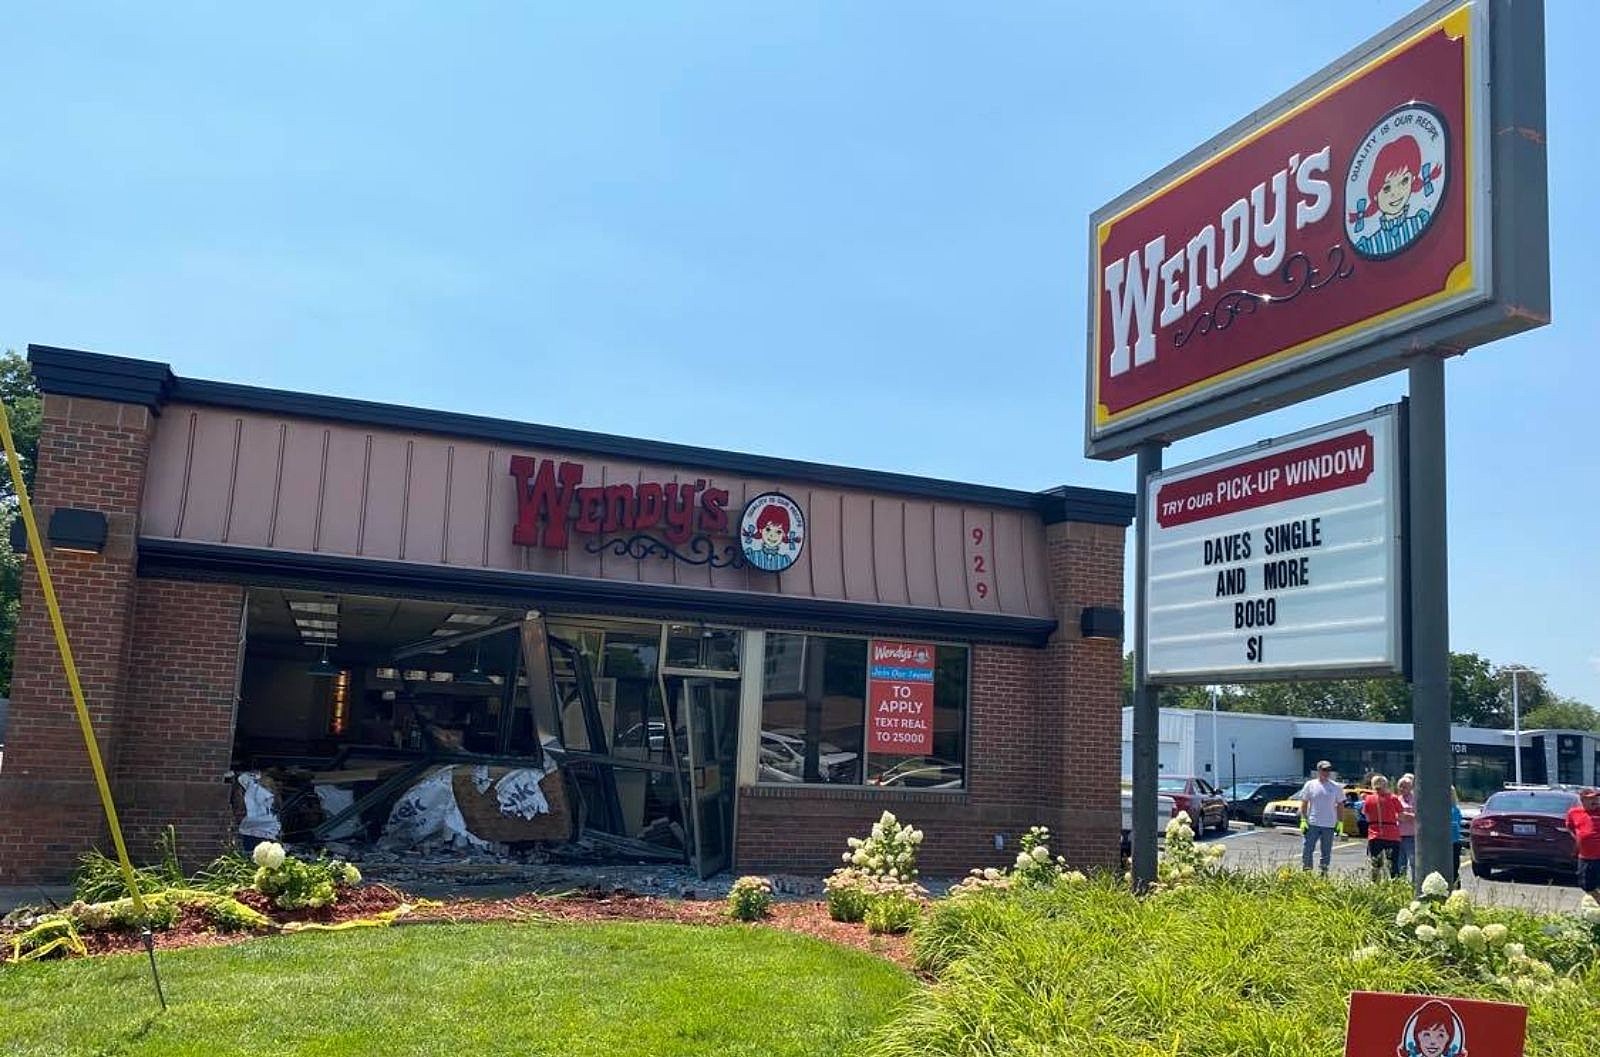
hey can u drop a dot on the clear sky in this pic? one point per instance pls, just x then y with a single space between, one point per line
844 232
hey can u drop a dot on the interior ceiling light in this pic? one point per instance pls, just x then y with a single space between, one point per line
470 618
301 606
475 677
310 622
324 668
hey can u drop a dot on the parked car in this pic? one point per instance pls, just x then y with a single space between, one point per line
1248 800
1525 828
1165 808
1207 807
1286 812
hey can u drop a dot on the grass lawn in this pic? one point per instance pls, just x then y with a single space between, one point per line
613 990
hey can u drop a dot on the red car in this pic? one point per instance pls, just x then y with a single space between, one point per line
1207 807
1525 828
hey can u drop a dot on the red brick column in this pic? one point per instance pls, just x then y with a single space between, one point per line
92 456
176 739
1081 690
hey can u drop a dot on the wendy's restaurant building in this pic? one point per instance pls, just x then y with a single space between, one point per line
320 619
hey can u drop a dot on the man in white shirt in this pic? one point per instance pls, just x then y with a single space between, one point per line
1319 813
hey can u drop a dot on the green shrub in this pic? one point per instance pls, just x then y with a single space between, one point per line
846 893
297 884
893 907
1223 966
230 915
750 899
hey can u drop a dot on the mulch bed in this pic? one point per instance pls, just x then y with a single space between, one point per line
194 929
806 918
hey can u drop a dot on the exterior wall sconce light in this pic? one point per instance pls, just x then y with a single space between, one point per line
70 529
1100 622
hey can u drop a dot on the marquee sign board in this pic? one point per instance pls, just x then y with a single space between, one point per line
1279 561
1319 241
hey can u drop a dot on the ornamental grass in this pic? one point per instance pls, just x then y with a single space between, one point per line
1231 965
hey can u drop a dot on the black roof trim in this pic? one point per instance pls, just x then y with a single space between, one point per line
74 373
68 372
185 560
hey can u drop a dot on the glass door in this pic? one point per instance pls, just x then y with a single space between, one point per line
707 717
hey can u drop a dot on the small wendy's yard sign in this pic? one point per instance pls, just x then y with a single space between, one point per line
1384 1025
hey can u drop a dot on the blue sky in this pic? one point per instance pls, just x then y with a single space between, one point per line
852 233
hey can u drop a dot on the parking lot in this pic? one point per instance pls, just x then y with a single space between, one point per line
1251 848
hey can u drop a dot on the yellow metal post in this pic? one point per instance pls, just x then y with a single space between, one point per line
36 549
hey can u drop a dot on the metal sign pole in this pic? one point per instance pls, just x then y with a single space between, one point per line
1430 618
1146 708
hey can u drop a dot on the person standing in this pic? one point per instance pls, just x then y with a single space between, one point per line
1319 815
1457 836
1583 820
1406 789
1383 828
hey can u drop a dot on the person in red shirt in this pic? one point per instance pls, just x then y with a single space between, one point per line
1583 819
1383 828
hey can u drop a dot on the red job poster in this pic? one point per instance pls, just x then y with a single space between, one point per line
900 695
1384 1025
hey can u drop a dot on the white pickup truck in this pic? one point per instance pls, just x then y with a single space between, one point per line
1165 808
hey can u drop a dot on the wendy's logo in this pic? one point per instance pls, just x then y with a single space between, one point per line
1397 181
772 531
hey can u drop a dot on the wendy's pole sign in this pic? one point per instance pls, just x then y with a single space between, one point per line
1386 214
1391 203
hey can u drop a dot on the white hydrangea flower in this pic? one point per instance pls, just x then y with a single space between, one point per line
1458 903
1041 854
877 831
269 854
887 819
1367 954
1515 951
1447 933
1496 933
1471 937
916 836
1404 917
1435 885
1024 860
1075 876
1427 933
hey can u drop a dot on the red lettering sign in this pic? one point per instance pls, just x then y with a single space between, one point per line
1345 218
1385 1025
1325 466
900 697
552 501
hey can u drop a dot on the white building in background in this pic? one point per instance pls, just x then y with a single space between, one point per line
1250 747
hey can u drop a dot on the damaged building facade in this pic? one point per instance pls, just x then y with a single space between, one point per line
328 619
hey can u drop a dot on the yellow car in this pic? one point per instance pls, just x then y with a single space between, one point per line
1287 812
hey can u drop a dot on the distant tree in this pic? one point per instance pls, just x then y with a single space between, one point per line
1533 690
1562 714
1479 695
23 406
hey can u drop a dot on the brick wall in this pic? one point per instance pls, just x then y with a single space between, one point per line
92 456
176 737
1044 747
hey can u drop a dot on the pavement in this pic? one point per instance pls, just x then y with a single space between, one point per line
1251 848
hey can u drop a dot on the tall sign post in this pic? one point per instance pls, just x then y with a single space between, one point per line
1344 231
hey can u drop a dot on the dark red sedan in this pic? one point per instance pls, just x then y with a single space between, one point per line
1525 829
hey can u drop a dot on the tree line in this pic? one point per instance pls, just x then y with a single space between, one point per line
1480 696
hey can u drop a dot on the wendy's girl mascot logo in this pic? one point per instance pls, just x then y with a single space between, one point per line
1396 182
1434 1030
772 531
